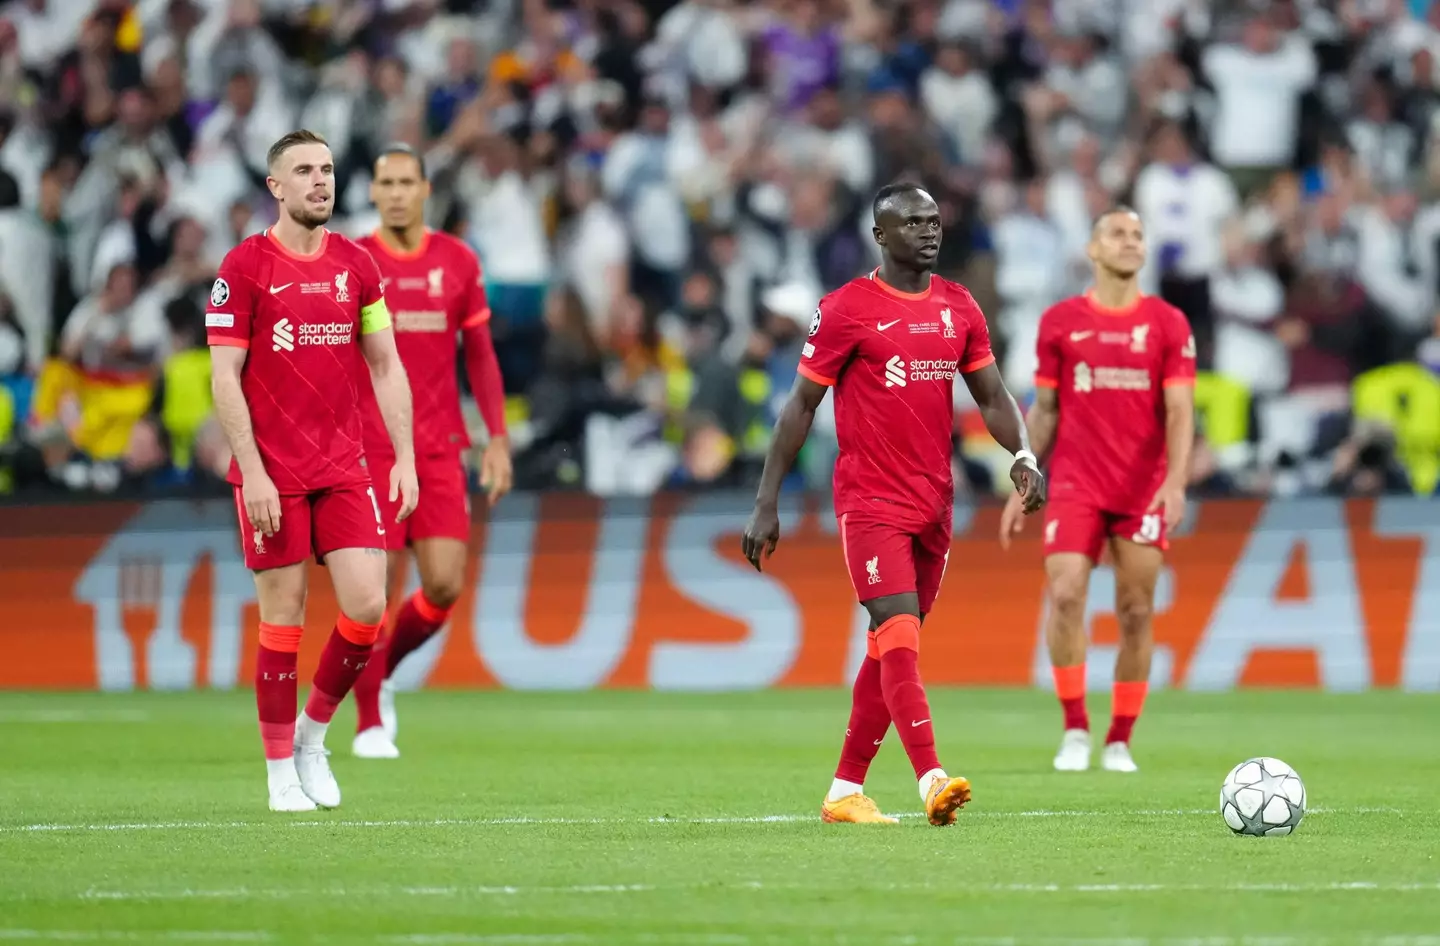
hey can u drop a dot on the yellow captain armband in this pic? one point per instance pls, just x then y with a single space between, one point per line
375 317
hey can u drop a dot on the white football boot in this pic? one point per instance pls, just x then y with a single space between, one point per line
312 762
285 791
1116 758
388 719
1074 752
374 743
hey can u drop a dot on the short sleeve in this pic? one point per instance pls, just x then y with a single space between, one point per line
978 353
476 308
831 343
1047 353
231 309
1178 364
374 316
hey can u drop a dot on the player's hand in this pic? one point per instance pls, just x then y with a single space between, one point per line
1012 520
762 534
405 487
1170 499
262 503
496 473
1029 484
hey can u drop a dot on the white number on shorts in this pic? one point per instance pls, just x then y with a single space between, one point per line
1149 528
375 504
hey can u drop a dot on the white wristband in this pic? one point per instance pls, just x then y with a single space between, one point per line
1027 455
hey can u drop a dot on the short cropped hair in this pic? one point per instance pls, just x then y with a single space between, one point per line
1110 212
296 138
400 147
892 190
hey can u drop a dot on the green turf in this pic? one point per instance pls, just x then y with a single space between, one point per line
532 819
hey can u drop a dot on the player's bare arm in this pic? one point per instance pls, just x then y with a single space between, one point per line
262 500
762 532
1179 437
1041 424
496 471
392 393
1007 426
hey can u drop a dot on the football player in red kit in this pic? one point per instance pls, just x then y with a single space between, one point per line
1113 422
296 315
891 344
436 295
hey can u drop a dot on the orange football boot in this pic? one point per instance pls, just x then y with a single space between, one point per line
946 796
853 809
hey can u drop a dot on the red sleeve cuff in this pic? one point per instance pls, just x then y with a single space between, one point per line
815 376
977 364
1043 382
1179 382
228 340
479 318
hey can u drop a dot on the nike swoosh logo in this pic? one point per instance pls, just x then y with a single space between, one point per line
882 326
878 741
1080 336
275 289
920 722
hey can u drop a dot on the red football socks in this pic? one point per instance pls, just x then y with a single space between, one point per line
869 719
367 689
341 663
277 688
1127 701
1070 688
898 641
416 623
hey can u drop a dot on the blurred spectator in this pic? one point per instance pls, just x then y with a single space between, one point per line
1258 83
1033 263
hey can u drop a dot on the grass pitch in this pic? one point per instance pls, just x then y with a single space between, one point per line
658 818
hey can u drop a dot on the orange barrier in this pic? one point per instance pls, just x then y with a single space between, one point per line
574 592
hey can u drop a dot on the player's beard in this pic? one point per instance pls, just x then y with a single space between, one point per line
311 217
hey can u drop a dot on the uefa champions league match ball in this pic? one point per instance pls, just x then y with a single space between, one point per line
1263 798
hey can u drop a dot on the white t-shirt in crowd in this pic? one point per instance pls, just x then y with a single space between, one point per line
1259 102
1184 211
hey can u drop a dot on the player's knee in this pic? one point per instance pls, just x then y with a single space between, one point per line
282 606
1133 615
1067 596
442 591
367 609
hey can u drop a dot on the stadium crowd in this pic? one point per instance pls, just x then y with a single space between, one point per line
661 192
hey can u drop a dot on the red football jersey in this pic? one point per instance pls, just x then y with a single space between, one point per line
1110 369
892 358
432 293
301 319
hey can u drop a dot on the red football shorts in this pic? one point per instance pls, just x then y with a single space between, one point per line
1073 525
347 517
444 509
889 559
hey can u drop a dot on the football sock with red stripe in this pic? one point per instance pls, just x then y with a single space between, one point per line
869 719
341 663
416 623
1070 688
1127 701
277 688
898 641
367 688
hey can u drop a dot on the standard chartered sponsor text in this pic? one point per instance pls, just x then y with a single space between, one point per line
933 370
326 333
1122 379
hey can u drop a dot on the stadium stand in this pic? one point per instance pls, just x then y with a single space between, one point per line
660 193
